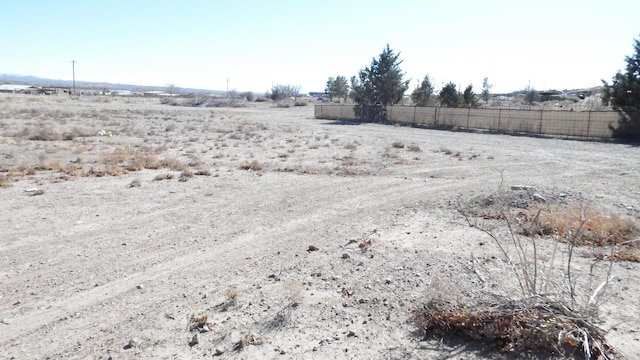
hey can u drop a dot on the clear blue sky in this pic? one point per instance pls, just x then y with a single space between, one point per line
550 44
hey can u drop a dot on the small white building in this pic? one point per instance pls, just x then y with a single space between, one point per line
20 89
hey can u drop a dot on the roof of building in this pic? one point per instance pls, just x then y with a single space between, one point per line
13 87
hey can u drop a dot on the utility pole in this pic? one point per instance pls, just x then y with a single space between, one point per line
73 66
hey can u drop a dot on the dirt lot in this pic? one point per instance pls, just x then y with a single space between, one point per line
261 232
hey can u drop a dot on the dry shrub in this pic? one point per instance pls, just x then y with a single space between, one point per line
48 165
558 309
580 225
41 133
254 165
398 144
185 175
5 181
174 164
414 148
516 326
203 172
349 161
349 146
107 170
167 176
117 156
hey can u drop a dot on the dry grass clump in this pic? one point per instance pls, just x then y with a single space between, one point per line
174 164
106 170
185 175
254 165
584 226
414 148
534 324
580 225
5 181
398 144
202 172
166 176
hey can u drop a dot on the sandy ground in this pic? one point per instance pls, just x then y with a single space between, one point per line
100 261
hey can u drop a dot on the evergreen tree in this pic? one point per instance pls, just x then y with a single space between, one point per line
382 82
486 90
469 97
328 90
449 95
624 91
422 95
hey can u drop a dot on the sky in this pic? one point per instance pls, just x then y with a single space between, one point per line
253 45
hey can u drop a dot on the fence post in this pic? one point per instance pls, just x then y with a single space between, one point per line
390 113
414 114
341 115
435 117
540 129
499 117
468 116
588 124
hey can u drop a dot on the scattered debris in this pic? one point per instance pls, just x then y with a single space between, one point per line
133 343
195 340
200 323
313 248
34 192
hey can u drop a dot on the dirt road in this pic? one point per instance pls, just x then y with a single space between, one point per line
301 238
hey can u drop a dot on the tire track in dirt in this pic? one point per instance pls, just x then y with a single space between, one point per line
355 199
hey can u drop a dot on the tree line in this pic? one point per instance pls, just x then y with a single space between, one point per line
383 83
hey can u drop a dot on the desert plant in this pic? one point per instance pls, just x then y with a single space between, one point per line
551 295
414 148
254 165
398 144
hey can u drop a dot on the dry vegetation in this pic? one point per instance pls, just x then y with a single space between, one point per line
262 226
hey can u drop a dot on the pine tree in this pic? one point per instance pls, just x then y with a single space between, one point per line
469 97
422 95
382 82
449 95
624 91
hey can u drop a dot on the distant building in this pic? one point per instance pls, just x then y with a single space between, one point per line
20 89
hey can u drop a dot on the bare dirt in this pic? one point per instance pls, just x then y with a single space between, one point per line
262 232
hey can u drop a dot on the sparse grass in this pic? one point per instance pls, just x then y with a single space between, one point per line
584 226
5 181
185 175
351 146
166 176
398 144
414 148
202 171
174 164
254 165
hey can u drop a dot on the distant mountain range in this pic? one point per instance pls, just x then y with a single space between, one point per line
38 81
